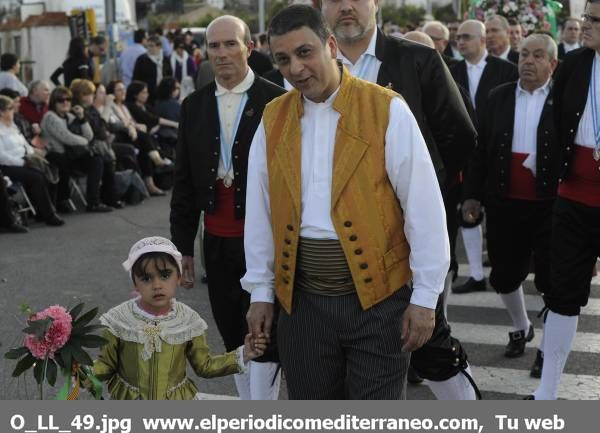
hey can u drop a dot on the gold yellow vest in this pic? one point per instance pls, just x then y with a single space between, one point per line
365 211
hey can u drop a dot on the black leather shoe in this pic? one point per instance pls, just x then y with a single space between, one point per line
516 342
529 397
471 285
98 208
117 204
54 220
413 377
17 228
538 364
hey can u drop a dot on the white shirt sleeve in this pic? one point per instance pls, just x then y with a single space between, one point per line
412 175
259 280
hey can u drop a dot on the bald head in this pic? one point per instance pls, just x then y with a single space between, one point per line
420 37
228 45
231 22
439 33
470 40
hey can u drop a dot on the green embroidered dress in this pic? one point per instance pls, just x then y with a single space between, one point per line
145 357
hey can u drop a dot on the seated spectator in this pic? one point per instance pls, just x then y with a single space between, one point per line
153 66
15 154
137 97
19 120
168 107
127 130
33 108
183 67
9 69
7 220
83 95
77 65
125 153
69 135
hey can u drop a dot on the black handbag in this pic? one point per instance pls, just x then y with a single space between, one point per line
75 153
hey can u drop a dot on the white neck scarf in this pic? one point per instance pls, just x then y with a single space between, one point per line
183 60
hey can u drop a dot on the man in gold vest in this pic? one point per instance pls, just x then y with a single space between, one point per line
345 223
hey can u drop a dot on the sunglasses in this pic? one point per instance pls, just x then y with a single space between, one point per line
590 18
62 100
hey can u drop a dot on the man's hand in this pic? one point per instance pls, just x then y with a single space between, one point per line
417 327
260 319
188 275
471 209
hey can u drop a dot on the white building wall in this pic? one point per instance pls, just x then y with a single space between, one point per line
48 49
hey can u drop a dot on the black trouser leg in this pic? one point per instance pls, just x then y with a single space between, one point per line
107 190
35 185
60 161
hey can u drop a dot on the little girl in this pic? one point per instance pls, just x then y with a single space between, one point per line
150 338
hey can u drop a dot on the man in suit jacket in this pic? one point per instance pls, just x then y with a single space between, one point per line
514 172
153 66
498 40
576 217
478 73
216 129
418 73
570 35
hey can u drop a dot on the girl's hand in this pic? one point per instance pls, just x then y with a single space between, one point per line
254 347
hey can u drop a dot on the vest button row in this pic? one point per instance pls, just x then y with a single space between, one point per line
216 153
286 281
358 251
290 227
353 238
368 280
347 223
286 254
287 242
364 265
285 267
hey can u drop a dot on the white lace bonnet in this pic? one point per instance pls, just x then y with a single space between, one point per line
150 245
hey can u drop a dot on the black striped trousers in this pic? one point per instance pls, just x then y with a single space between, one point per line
330 348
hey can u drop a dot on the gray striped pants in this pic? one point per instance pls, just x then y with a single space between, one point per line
330 348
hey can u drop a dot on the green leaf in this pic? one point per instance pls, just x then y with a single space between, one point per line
66 356
86 329
38 371
38 328
16 353
51 371
23 365
76 310
87 317
81 356
25 309
92 341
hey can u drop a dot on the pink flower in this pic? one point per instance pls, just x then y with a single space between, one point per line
55 338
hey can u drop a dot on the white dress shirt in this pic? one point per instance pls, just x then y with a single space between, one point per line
569 47
228 103
585 131
528 110
411 174
13 146
474 73
367 66
504 55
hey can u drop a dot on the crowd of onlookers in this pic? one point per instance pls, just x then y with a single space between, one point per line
115 128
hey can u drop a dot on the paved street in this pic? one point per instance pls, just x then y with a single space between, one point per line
81 262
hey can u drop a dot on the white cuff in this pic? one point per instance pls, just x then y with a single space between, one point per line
240 359
424 298
262 294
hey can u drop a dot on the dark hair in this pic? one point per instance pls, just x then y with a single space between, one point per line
158 31
8 61
262 38
97 40
77 49
296 16
139 35
158 258
155 40
59 92
166 87
110 89
134 89
179 41
11 93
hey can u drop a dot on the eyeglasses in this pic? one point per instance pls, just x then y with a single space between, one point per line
465 36
62 100
590 18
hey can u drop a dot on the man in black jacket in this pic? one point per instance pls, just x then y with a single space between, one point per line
576 217
418 73
153 66
497 31
514 172
216 129
570 35
478 73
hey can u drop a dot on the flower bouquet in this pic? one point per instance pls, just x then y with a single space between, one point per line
55 338
534 15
